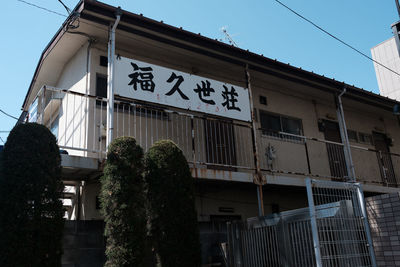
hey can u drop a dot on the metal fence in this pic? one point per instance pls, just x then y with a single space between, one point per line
332 231
294 154
79 122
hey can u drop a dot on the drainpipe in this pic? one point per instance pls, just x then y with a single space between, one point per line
110 78
258 179
345 138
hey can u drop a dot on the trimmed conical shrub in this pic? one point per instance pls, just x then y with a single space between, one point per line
31 212
123 204
173 218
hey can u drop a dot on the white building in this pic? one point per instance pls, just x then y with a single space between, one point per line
243 167
387 54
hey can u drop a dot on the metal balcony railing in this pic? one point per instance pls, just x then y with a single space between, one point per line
79 123
294 154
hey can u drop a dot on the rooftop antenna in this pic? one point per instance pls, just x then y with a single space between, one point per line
228 37
398 7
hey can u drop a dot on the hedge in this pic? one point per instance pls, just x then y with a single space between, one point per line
173 218
31 213
123 204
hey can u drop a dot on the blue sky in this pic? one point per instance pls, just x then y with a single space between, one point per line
263 27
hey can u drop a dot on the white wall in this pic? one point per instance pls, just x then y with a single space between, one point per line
389 82
73 112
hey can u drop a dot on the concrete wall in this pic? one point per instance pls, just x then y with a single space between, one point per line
384 218
211 196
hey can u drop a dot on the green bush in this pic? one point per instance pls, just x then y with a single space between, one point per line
31 212
173 218
122 203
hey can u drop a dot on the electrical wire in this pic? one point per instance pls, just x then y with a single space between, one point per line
293 11
43 8
336 38
67 8
11 116
2 140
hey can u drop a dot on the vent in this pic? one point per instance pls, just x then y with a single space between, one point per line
103 61
263 100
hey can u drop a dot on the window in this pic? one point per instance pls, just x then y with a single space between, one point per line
352 135
101 86
103 61
273 123
263 100
365 138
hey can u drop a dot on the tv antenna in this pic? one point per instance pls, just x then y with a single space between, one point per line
228 37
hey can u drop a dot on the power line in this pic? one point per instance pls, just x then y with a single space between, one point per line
290 9
67 8
43 8
11 116
336 38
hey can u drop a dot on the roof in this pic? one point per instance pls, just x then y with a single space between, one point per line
104 14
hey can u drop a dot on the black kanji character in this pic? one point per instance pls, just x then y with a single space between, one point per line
204 91
176 86
230 98
144 78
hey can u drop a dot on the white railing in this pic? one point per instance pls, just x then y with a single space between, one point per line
295 154
79 122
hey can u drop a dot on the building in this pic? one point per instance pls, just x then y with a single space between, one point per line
387 54
253 129
387 62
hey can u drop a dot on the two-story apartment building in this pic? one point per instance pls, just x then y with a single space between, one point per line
253 129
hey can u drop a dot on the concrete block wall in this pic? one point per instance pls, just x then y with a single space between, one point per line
384 218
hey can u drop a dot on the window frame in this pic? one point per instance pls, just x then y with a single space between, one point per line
281 116
356 140
99 75
362 135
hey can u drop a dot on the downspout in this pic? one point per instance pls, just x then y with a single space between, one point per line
345 138
110 79
258 179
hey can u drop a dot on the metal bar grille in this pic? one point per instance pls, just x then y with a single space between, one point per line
344 238
333 231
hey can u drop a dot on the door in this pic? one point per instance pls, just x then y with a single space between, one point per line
220 144
337 161
384 159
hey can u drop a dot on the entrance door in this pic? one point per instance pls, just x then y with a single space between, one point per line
337 161
220 143
384 159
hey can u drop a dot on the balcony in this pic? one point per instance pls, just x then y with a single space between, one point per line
300 155
209 144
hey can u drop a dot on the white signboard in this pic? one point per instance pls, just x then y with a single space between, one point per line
143 81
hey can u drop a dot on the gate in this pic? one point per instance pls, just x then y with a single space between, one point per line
332 231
